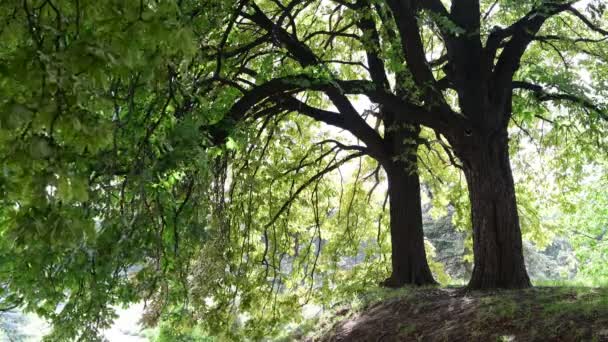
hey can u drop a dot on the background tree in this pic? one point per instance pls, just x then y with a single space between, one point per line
396 152
479 60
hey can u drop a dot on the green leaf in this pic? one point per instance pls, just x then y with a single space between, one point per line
231 144
40 148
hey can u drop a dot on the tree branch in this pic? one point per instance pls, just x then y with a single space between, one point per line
306 57
404 13
377 69
311 180
543 95
587 22
522 33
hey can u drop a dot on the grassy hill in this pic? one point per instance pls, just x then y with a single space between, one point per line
453 314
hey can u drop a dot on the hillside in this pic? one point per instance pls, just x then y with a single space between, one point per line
432 314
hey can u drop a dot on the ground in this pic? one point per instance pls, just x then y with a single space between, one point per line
453 314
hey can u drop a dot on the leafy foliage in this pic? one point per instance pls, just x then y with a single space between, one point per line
125 178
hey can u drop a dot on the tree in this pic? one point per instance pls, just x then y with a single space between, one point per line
396 152
119 121
478 62
92 130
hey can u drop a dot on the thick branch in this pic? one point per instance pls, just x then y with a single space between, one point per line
301 52
376 64
521 33
306 57
466 14
466 68
435 6
292 104
404 13
330 118
440 119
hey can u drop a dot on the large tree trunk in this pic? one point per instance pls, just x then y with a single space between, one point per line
497 243
409 263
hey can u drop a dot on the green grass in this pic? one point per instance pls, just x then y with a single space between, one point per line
577 282
583 301
407 329
576 309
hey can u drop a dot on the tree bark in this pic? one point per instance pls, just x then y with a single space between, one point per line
409 263
497 243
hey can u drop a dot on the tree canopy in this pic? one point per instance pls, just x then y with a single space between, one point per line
226 161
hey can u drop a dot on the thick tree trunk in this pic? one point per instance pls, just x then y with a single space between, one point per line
497 243
409 263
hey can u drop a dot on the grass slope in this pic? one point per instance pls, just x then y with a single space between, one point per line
451 314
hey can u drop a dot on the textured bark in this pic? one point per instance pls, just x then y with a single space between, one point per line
409 263
497 243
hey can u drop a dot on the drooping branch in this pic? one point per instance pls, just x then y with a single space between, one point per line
257 94
280 91
231 23
550 37
310 181
544 95
343 147
11 306
587 22
339 32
